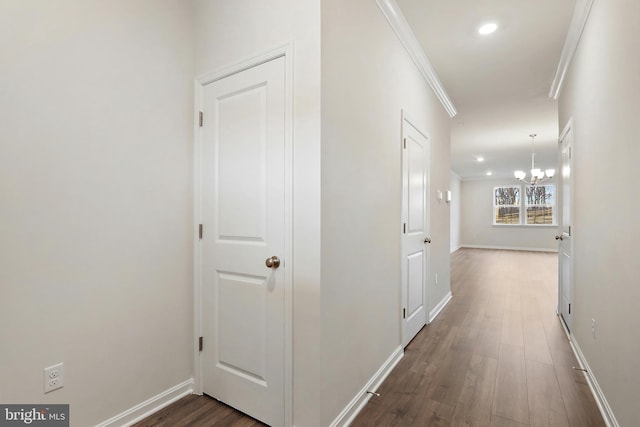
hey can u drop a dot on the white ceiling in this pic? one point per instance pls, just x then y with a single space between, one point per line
499 83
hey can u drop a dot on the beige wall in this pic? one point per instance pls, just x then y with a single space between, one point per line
477 229
601 93
367 79
96 115
231 31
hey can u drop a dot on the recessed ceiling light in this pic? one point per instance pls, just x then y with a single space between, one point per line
480 159
489 173
488 28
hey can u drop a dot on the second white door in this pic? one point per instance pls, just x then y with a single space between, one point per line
415 230
565 247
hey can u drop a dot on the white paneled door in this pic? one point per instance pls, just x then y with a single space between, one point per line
415 236
565 247
243 244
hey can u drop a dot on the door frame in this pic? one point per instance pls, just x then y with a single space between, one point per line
283 50
568 128
407 119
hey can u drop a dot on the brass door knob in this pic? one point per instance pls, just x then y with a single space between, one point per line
273 262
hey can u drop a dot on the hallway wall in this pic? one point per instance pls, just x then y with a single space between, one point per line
601 94
367 79
96 113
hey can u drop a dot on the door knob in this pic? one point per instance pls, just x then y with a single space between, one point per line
559 238
272 262
427 240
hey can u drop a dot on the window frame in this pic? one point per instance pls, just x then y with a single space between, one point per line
551 205
523 205
496 206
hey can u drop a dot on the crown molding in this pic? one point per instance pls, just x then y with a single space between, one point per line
400 26
578 22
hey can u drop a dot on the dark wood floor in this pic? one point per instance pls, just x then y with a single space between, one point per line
198 411
496 356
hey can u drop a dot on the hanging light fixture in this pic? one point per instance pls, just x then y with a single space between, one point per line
537 175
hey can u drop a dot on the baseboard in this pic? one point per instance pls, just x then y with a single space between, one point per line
454 249
598 395
438 308
508 248
150 406
354 407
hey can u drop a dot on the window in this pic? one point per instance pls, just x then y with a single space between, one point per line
536 208
506 205
539 204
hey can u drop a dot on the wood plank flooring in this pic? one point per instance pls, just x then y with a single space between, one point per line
198 411
496 356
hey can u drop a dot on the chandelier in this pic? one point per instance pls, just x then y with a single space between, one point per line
537 175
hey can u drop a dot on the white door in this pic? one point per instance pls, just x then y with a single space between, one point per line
565 246
415 239
243 209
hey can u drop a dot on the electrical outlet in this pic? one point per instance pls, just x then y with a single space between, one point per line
53 377
593 328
